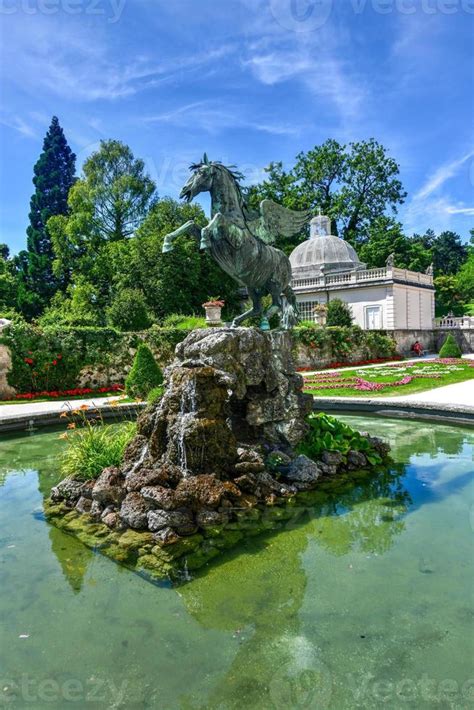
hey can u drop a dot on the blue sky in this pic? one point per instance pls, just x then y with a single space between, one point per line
249 81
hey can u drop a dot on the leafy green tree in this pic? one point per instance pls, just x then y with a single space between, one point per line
339 313
370 186
465 277
108 204
448 296
449 253
53 178
77 307
385 237
128 310
8 283
176 282
353 184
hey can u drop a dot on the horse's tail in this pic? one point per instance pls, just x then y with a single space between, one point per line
290 315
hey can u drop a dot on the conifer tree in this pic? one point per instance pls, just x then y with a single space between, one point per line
53 178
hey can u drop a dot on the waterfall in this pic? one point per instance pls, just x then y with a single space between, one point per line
188 409
140 460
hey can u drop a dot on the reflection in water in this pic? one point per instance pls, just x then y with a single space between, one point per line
257 592
409 438
72 555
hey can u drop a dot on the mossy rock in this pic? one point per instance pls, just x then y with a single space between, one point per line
135 540
157 567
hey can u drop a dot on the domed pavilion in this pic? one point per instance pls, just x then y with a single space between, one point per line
325 266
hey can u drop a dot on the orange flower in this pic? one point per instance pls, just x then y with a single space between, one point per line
71 425
64 414
83 407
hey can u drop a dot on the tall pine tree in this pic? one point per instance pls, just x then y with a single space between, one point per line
53 178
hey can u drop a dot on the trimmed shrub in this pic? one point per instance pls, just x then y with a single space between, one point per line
339 313
450 348
145 374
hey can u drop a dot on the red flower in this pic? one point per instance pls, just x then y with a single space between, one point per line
55 362
28 361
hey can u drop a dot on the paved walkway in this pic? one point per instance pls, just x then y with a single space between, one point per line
459 394
52 407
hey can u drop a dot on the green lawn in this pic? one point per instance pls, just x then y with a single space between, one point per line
434 375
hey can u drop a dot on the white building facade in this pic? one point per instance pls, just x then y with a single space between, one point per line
326 267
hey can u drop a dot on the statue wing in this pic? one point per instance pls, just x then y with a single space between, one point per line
277 221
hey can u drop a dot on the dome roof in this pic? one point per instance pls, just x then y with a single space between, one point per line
323 252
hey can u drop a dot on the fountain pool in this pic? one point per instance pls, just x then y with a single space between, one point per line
363 602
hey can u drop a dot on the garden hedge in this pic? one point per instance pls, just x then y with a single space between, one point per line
56 358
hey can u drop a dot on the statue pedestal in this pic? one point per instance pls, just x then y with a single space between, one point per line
212 461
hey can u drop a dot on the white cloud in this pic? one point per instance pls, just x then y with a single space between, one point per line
17 123
210 116
441 175
316 60
65 60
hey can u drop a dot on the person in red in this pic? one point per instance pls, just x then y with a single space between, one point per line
417 348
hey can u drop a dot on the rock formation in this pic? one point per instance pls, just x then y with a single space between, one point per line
215 451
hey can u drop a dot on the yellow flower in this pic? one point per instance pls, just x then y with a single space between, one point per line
63 436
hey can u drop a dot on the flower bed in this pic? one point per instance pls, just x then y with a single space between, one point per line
372 380
64 394
358 363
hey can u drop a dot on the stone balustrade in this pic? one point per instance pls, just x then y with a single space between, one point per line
449 321
363 276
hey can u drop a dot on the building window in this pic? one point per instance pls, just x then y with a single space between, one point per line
373 317
306 309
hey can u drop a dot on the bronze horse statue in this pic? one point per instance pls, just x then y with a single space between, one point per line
241 241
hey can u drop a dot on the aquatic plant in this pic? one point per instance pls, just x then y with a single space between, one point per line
93 445
327 433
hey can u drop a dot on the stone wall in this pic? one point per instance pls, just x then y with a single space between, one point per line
6 392
432 340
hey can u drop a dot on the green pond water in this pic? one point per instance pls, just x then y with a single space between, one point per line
364 602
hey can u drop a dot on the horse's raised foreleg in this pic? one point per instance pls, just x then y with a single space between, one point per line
212 230
256 310
189 227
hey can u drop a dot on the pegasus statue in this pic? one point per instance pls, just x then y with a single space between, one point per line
242 242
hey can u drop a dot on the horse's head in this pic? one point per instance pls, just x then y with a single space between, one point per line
203 175
200 180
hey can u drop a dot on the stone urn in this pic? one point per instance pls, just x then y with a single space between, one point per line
320 314
213 309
